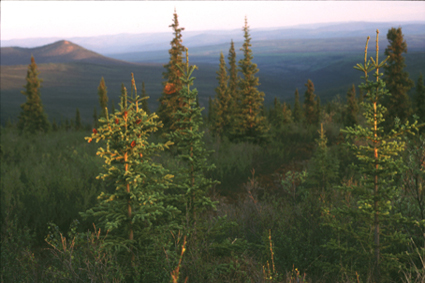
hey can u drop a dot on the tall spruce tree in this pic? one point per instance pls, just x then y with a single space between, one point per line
420 100
102 92
397 80
145 97
310 107
366 220
352 108
318 110
233 83
222 102
191 182
32 118
170 101
251 124
136 209
298 114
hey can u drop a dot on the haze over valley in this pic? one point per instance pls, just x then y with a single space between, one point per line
286 57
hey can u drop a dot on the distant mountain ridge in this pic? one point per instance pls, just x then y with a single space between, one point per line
124 43
62 51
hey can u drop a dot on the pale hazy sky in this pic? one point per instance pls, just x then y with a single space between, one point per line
25 19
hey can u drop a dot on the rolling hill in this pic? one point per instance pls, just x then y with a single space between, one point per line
59 52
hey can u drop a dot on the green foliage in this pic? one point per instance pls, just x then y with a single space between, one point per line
47 178
145 97
366 223
137 208
310 105
251 125
298 115
352 108
169 101
396 79
32 118
222 102
18 262
420 101
191 182
102 92
81 257
323 173
279 115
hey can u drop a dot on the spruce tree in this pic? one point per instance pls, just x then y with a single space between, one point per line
275 114
103 96
287 114
123 95
135 212
145 97
397 80
366 220
298 114
233 84
221 103
32 118
170 101
191 182
310 107
323 174
78 124
352 108
420 100
251 124
318 110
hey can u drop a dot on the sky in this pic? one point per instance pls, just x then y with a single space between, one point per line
31 19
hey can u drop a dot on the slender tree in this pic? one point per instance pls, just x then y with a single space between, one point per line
397 80
366 217
251 124
145 97
233 83
318 110
102 92
191 181
352 108
136 208
32 118
310 108
222 102
170 100
298 114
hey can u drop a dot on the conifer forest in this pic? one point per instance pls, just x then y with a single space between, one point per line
302 190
